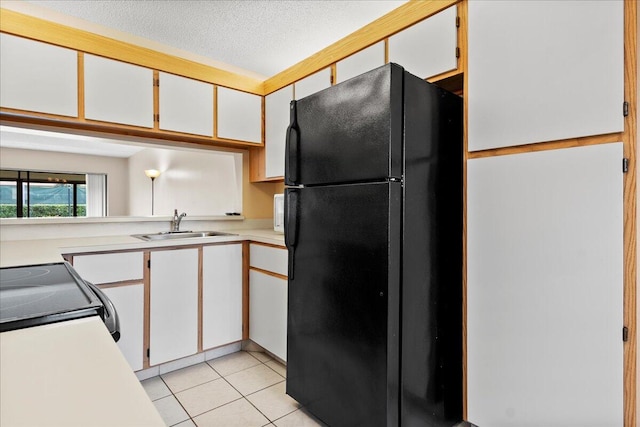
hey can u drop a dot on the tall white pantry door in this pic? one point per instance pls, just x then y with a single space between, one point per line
545 288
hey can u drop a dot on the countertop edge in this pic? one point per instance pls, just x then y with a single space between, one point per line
29 252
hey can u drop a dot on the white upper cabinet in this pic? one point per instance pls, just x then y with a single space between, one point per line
118 92
186 105
313 83
361 62
38 77
543 71
428 47
276 123
239 115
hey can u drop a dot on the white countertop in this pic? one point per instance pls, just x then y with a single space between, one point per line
27 252
69 374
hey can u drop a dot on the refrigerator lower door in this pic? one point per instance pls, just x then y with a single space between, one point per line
343 306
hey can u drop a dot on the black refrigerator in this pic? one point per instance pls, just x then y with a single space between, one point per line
373 227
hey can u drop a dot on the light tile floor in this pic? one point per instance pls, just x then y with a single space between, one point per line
243 389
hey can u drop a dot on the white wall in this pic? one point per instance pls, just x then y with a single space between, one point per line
115 168
196 182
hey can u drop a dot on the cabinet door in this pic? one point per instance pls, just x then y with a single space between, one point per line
129 303
313 83
109 268
428 47
276 123
118 92
544 295
221 295
361 62
38 77
268 312
186 105
543 71
174 305
239 115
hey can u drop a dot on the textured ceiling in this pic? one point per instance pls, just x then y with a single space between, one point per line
263 36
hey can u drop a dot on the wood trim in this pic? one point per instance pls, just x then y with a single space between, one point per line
629 138
215 111
156 100
386 50
334 74
200 294
270 245
146 321
550 145
263 115
268 273
60 123
121 283
462 61
463 41
257 164
61 35
81 85
117 251
245 290
396 20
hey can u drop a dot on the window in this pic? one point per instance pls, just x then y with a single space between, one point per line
48 194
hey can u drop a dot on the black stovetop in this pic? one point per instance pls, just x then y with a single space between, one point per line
39 294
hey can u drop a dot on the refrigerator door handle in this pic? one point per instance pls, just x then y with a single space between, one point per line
291 226
291 148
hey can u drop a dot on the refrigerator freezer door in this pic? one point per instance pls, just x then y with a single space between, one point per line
348 133
343 305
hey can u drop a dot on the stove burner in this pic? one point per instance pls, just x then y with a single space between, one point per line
21 274
40 294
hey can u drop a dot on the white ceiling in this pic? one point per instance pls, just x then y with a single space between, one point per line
261 36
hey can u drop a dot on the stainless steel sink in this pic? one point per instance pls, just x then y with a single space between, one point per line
169 235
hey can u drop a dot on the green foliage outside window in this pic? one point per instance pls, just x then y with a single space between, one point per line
9 211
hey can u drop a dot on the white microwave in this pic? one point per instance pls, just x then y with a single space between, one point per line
278 212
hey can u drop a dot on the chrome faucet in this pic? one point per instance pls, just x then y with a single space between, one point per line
175 222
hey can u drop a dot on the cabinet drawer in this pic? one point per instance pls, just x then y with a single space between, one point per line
109 268
269 258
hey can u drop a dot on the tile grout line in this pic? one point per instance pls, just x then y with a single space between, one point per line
220 376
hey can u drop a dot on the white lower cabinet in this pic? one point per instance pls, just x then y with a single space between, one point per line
221 295
174 305
268 312
129 303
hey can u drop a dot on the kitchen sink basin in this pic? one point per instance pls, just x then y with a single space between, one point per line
170 235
